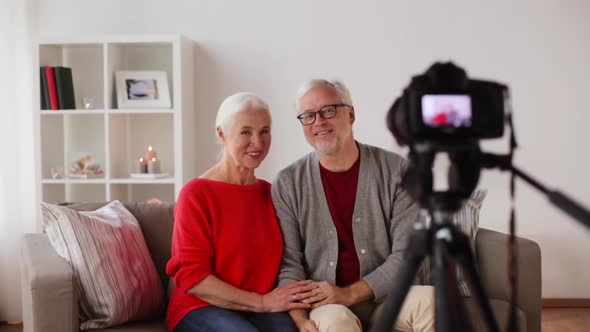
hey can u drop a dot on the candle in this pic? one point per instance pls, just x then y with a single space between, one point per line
154 166
141 166
149 153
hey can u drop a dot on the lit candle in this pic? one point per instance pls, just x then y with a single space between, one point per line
149 154
153 166
141 166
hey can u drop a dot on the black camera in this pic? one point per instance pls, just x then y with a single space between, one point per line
442 110
444 105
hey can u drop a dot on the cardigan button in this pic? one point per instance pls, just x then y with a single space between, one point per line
357 219
363 251
331 263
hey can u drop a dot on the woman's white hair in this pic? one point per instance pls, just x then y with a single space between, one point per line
236 103
339 87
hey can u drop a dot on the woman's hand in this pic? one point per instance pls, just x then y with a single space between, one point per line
307 326
288 297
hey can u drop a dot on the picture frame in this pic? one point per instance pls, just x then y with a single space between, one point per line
142 89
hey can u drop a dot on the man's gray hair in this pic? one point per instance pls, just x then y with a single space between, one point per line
339 87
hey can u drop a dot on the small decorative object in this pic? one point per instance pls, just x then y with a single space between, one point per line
56 172
140 166
154 166
149 154
154 201
83 166
142 89
88 103
148 166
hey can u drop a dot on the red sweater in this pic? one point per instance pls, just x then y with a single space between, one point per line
227 230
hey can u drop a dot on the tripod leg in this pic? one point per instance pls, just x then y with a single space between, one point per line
417 246
467 262
449 309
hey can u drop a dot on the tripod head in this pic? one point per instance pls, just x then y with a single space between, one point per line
463 174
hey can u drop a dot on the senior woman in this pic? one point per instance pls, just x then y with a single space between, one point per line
226 244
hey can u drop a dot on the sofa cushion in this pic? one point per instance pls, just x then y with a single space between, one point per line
156 221
114 273
467 221
501 311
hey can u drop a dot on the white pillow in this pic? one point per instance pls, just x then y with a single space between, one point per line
115 276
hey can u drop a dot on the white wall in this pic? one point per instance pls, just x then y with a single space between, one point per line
18 210
540 48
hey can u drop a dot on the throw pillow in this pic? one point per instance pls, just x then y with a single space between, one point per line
467 221
115 276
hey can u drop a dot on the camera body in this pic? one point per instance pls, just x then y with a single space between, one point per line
444 105
443 110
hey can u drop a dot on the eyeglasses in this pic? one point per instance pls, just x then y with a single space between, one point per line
327 112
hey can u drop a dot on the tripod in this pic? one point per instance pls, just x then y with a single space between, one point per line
447 246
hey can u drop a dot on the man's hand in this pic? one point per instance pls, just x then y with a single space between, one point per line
327 293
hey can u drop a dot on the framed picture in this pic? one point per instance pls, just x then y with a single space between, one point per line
142 89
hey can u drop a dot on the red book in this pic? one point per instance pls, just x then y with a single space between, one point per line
53 102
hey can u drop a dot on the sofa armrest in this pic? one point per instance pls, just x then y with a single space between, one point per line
50 302
492 248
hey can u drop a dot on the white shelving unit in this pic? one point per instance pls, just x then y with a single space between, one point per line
117 137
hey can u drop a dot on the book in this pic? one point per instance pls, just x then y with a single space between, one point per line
44 91
53 101
65 88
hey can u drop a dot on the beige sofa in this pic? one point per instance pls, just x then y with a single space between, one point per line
50 302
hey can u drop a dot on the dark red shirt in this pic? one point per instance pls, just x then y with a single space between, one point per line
340 189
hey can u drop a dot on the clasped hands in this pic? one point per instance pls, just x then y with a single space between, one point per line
305 294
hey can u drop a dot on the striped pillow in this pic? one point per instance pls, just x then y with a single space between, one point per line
467 221
114 273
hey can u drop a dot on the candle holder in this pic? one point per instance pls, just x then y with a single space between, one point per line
148 166
88 103
149 154
140 166
153 166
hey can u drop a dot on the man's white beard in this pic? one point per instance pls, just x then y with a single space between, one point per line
331 147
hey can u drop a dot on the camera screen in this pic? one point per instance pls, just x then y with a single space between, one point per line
446 111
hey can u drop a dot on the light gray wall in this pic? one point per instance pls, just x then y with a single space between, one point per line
540 48
18 194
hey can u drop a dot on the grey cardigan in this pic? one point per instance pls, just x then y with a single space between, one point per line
382 220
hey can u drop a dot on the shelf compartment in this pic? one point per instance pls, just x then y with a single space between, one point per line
131 134
138 56
87 63
64 136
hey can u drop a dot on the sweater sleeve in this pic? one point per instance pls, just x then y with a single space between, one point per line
192 244
291 268
405 212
